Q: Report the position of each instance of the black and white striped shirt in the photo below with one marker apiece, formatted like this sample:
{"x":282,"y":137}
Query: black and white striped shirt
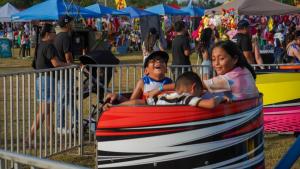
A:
{"x":174,"y":99}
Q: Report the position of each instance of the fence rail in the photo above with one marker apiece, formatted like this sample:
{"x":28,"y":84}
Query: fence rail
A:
{"x":19,"y":161}
{"x":28,"y":98}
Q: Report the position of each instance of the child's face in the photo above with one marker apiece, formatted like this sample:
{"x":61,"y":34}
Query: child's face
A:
{"x":222,"y":62}
{"x":156,"y":68}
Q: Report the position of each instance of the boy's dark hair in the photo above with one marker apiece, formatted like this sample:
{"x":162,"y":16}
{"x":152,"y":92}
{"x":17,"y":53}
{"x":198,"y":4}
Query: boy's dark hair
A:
{"x":179,"y":26}
{"x":189,"y":78}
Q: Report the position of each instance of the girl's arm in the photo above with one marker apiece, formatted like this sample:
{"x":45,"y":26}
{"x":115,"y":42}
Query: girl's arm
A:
{"x":212,"y":102}
{"x":217,"y":84}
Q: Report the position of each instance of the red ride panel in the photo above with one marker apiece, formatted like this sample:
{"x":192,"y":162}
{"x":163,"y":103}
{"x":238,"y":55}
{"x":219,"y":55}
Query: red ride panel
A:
{"x":137,"y":116}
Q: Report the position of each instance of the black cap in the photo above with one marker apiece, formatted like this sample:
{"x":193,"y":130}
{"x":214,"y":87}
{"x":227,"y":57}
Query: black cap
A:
{"x":64,"y":20}
{"x":243,"y":24}
{"x":162,"y":54}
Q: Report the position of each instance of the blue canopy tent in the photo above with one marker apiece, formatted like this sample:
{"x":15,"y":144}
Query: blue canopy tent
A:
{"x":137,"y":13}
{"x":7,"y":11}
{"x":52,"y":10}
{"x":193,"y":11}
{"x":103,"y":10}
{"x":163,"y":9}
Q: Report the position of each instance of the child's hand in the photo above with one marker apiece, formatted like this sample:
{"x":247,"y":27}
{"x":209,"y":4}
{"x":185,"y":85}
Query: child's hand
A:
{"x":111,"y":97}
{"x":153,"y":93}
{"x":106,"y":106}
{"x":226,"y":99}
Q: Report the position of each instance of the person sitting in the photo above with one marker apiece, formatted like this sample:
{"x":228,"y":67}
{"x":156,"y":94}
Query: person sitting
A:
{"x":154,"y":80}
{"x":189,"y":89}
{"x":235,"y":76}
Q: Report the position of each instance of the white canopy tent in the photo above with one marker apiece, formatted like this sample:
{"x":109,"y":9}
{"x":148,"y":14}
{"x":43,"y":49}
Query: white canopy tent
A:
{"x":6,"y":12}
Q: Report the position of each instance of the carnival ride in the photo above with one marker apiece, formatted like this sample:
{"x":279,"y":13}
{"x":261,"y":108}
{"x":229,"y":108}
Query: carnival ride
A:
{"x":230,"y":136}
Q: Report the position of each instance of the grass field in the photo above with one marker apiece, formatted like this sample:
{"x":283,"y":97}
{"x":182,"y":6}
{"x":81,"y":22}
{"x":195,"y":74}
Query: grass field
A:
{"x":275,"y":145}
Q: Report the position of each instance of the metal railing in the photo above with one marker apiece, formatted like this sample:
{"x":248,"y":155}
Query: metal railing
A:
{"x":29,"y":98}
{"x":19,"y":161}
{"x":271,"y":66}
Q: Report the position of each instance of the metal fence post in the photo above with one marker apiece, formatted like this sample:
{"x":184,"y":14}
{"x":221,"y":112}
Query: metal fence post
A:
{"x":2,"y":165}
{"x":80,"y":134}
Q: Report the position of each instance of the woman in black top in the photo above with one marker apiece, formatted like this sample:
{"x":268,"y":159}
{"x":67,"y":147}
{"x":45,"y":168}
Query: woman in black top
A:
{"x":46,"y":58}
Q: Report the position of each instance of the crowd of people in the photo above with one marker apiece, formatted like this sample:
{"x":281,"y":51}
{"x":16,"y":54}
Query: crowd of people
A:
{"x":255,"y":34}
{"x":20,"y":36}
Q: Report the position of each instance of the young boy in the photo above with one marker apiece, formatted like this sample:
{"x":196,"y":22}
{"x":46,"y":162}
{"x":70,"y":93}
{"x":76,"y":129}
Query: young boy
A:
{"x":153,"y":82}
{"x":188,"y":88}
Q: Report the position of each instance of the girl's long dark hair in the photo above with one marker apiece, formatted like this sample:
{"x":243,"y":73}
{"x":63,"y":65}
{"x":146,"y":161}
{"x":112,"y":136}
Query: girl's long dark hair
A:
{"x":233,"y":50}
{"x":205,"y":39}
{"x":151,"y":39}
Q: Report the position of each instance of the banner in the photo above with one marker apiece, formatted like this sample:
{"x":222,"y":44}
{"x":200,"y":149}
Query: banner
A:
{"x":5,"y":48}
{"x":120,"y":4}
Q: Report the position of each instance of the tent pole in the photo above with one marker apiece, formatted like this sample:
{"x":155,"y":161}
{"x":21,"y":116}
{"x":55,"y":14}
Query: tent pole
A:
{"x":30,"y":34}
{"x":13,"y":41}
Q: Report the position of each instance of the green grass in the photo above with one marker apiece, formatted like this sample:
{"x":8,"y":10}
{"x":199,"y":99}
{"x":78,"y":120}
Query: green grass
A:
{"x":275,"y":145}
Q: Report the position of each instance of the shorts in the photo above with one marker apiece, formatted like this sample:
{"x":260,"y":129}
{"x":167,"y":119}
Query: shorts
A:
{"x":45,"y":96}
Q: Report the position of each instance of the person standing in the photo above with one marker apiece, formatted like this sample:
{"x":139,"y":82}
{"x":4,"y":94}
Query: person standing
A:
{"x":180,"y":49}
{"x":244,"y":40}
{"x":63,"y":39}
{"x":46,"y":58}
{"x":206,"y":42}
{"x":62,"y":43}
{"x":152,"y":43}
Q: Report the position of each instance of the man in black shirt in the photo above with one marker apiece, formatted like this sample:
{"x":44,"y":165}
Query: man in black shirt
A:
{"x":62,"y":43}
{"x":63,"y":39}
{"x":244,"y":41}
{"x":180,"y":48}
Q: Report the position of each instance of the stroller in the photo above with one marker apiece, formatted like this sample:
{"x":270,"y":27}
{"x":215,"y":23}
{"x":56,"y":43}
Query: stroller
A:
{"x":99,"y":57}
